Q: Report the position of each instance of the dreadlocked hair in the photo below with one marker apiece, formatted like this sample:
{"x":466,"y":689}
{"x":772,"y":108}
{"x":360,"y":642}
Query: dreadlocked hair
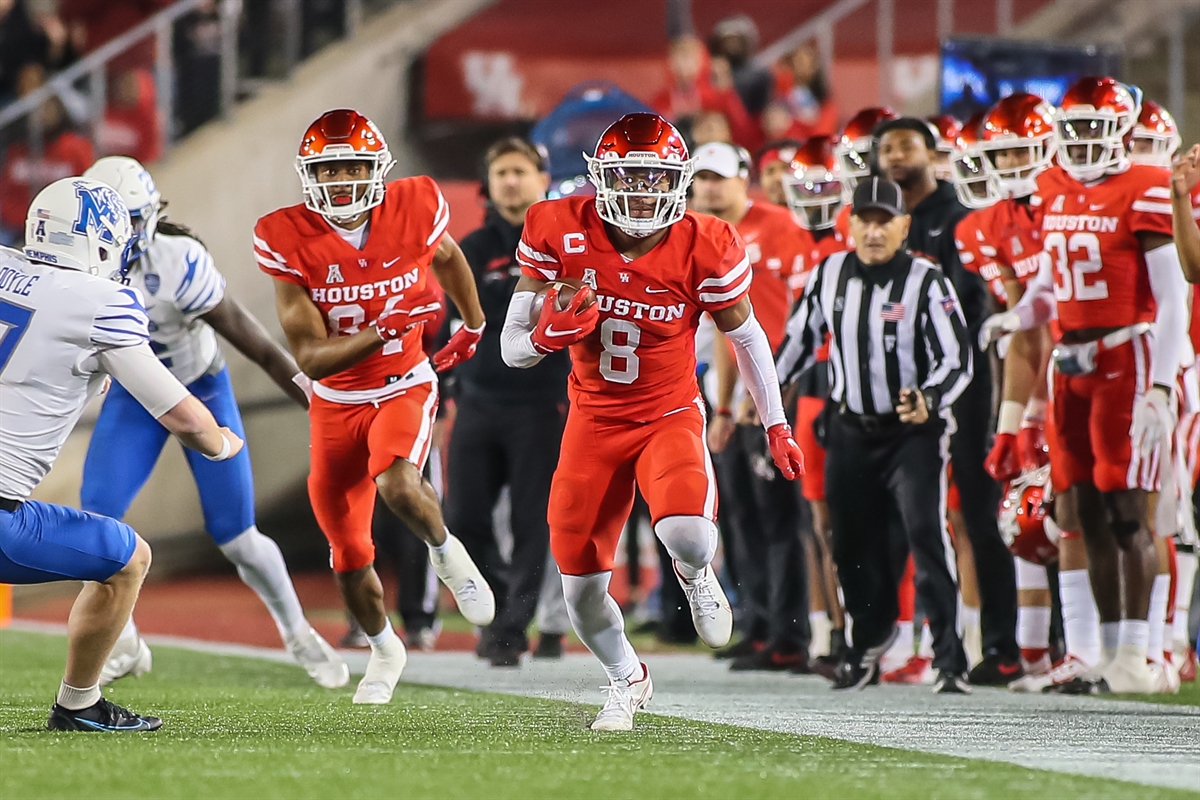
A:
{"x":171,"y":228}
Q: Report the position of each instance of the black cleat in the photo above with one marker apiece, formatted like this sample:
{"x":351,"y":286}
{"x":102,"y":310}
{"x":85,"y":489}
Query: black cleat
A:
{"x":855,"y":673}
{"x":740,"y":648}
{"x":549,"y":646}
{"x":772,"y":659}
{"x":102,"y":716}
{"x":503,"y":656}
{"x":950,"y":683}
{"x":1083,"y":686}
{"x":996,"y":670}
{"x":826,"y":666}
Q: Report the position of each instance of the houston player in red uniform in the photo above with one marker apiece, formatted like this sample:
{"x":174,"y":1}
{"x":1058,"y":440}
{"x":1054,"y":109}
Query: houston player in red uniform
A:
{"x":351,"y":267}
{"x":636,"y":414}
{"x":853,"y":150}
{"x":1114,"y":278}
{"x":816,"y":195}
{"x":762,"y":507}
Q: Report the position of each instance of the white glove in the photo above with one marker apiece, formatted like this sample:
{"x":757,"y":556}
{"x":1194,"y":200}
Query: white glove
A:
{"x":997,"y":326}
{"x":1152,"y":421}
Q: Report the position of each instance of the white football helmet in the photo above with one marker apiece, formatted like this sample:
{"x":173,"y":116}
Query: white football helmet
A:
{"x":141,"y":196}
{"x":80,"y":224}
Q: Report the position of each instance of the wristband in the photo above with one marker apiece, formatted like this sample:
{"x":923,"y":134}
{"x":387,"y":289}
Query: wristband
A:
{"x":1010,"y":416}
{"x":724,"y":411}
{"x":226,"y":446}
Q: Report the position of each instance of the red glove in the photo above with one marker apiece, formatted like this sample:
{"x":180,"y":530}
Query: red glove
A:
{"x":460,"y":347}
{"x":421,"y":307}
{"x":558,"y":329}
{"x":1002,"y":463}
{"x":785,"y":451}
{"x":1031,"y":447}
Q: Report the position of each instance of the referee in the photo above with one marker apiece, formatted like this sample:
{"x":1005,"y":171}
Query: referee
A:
{"x":899,"y":357}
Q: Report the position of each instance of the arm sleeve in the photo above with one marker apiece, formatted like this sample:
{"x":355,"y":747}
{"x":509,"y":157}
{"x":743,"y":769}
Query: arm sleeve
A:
{"x":804,"y":330}
{"x":536,"y":259}
{"x":140,"y":372}
{"x":1171,"y":321}
{"x":724,"y":275}
{"x":754,"y":362}
{"x":202,"y":287}
{"x":516,"y":343}
{"x":121,"y":321}
{"x":947,"y":342}
{"x":272,"y":261}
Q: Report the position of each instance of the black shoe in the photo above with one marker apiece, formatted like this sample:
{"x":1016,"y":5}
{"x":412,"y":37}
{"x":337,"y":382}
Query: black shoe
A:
{"x":102,"y":716}
{"x":742,"y":647}
{"x":501,"y":656}
{"x":856,"y":673}
{"x":826,"y":666}
{"x":948,"y":682}
{"x":771,"y":659}
{"x":996,"y":670}
{"x":1086,"y":686}
{"x":550,"y":646}
{"x":484,"y":648}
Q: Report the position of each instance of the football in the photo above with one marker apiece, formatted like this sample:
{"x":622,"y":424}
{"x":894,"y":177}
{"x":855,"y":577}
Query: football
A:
{"x":567,"y":287}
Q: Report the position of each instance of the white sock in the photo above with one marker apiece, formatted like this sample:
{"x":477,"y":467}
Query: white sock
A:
{"x":260,"y":565}
{"x":1185,"y":576}
{"x":1157,"y":619}
{"x":972,"y":638}
{"x":382,"y":639}
{"x":820,"y":629}
{"x":597,"y":620}
{"x":74,"y":699}
{"x":1081,"y":618}
{"x":1134,"y":633}
{"x":1033,"y":627}
{"x":1110,"y":638}
{"x":925,"y":648}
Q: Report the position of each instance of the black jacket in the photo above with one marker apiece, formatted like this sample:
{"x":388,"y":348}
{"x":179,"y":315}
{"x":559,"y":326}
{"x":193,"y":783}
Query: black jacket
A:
{"x":491,"y":252}
{"x":932,"y":234}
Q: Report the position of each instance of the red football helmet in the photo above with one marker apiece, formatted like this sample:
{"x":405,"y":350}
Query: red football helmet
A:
{"x":1094,"y":118}
{"x":974,"y":186}
{"x":1028,"y":529}
{"x":813,"y":184}
{"x":1155,"y":128}
{"x":641,"y":172}
{"x":343,"y":135}
{"x":853,"y":149}
{"x":1021,"y":121}
{"x":948,"y":130}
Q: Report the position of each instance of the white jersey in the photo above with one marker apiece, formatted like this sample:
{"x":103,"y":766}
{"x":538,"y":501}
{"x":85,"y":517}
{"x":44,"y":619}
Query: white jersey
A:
{"x":180,"y":283}
{"x":52,"y":322}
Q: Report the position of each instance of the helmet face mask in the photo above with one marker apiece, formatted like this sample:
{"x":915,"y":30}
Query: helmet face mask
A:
{"x":138,"y":191}
{"x":1096,"y":117}
{"x":1024,"y":519}
{"x":343,"y":136}
{"x":641,"y":172}
{"x":1017,"y":179}
{"x":1155,"y":137}
{"x":974,"y":184}
{"x":79,"y":224}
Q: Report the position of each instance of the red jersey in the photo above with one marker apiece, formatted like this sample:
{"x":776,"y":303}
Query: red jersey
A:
{"x":817,"y":251}
{"x":639,"y":364}
{"x":352,"y":286}
{"x":775,"y":245}
{"x":1090,"y":232}
{"x":63,"y":156}
{"x":1001,"y":242}
{"x":842,"y":225}
{"x":971,"y":243}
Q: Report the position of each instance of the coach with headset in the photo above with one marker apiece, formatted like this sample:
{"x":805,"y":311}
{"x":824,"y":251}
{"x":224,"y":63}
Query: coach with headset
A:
{"x":509,"y":422}
{"x":899,"y":357}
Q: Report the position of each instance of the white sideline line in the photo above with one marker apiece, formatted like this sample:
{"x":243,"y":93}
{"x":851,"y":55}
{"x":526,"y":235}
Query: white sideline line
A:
{"x":1145,"y":743}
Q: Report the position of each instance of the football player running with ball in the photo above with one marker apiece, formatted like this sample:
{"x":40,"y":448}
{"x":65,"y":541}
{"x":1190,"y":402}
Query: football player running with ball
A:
{"x":645,"y":269}
{"x":352,"y":271}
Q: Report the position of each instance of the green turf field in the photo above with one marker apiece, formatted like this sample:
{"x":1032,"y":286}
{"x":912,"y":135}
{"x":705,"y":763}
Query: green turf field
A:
{"x":246,"y":728}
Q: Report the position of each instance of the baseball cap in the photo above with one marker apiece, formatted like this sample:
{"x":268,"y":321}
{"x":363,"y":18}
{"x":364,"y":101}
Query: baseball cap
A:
{"x":723,"y":159}
{"x":880,"y":193}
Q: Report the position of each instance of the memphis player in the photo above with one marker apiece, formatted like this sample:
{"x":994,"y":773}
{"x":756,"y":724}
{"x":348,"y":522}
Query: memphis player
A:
{"x":185,"y":299}
{"x":63,"y":330}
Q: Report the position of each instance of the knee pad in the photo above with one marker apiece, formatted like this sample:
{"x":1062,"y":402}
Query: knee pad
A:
{"x":690,"y":540}
{"x":1030,"y":575}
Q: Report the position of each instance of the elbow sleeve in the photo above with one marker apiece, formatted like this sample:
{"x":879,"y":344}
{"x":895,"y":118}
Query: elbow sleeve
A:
{"x":140,"y":372}
{"x":757,"y":369}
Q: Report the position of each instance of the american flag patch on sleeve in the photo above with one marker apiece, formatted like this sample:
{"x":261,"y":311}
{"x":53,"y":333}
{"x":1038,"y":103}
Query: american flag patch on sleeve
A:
{"x":892,"y":312}
{"x":948,"y":304}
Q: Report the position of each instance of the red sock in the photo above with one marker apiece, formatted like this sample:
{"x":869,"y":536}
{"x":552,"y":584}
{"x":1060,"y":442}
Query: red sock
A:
{"x":908,"y":592}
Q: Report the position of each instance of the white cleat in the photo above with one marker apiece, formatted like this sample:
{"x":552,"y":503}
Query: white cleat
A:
{"x":625,"y":698}
{"x":127,"y":658}
{"x":1036,"y":677}
{"x":1166,"y":679}
{"x":711,"y":613}
{"x":320,"y":661}
{"x":1129,"y":673}
{"x":383,"y":672}
{"x":457,"y":570}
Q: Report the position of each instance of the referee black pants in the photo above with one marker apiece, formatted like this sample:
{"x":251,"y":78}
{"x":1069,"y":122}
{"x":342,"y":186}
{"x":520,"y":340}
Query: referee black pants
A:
{"x":994,"y":570}
{"x":761,"y":509}
{"x":870,"y":482}
{"x":494,"y":445}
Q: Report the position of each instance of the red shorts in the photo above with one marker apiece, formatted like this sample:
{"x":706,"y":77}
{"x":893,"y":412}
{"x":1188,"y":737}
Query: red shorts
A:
{"x":812,"y":485}
{"x":600,"y":462}
{"x":1092,"y":415}
{"x":353,"y":444}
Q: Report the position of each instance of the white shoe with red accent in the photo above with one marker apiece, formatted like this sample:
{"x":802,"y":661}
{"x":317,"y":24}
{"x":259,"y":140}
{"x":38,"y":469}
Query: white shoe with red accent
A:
{"x":711,"y":613}
{"x":1166,"y":679}
{"x":1036,"y":677}
{"x":1072,"y":675}
{"x":625,"y":698}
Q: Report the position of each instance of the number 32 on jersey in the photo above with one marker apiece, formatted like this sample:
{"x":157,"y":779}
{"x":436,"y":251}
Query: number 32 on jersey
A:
{"x":1076,"y":258}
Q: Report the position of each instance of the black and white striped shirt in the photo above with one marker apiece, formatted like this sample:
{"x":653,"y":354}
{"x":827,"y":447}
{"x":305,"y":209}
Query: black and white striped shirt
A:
{"x":894,"y":325}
